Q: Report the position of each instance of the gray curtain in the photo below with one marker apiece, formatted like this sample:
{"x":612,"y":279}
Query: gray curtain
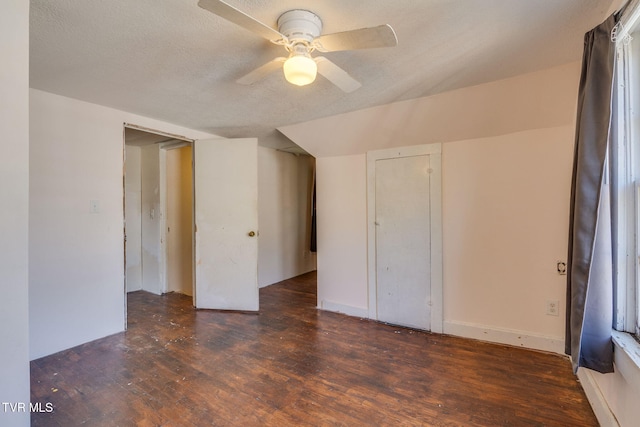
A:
{"x":590,"y":259}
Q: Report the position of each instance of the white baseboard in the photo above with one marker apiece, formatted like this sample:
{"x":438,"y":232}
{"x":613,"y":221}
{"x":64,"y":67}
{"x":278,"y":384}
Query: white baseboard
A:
{"x":596,"y":399}
{"x":504,"y":336}
{"x":345,"y":309}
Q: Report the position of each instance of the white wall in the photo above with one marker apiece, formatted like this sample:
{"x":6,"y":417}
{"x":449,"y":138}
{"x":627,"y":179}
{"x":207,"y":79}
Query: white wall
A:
{"x":76,"y":262}
{"x":505,"y":225}
{"x":506,"y":174}
{"x":133,"y":216}
{"x":342,"y":233}
{"x":14,"y":190}
{"x":284,"y":190}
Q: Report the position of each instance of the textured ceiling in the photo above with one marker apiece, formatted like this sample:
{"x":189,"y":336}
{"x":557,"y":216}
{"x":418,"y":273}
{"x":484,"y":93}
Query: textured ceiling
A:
{"x":173,"y":61}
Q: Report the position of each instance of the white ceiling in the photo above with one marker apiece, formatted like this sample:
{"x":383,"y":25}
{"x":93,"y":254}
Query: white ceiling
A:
{"x":173,"y":61}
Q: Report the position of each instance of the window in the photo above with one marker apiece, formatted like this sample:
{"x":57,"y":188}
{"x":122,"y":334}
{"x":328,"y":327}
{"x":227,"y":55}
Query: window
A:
{"x":625,"y":158}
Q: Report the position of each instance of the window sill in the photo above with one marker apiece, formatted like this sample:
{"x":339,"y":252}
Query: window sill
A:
{"x":626,"y":357}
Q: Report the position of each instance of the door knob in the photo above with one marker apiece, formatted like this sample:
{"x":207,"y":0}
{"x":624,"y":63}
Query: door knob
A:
{"x":251,"y":233}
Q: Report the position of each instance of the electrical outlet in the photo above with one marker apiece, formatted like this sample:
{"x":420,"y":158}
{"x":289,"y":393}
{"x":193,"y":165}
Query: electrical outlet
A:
{"x":553,"y":308}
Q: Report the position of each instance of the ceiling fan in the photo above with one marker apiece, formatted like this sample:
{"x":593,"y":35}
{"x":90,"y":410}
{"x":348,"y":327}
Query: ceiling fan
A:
{"x":300,"y":32}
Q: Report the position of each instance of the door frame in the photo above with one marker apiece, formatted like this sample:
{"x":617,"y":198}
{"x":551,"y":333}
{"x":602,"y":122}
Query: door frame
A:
{"x":168,"y":140}
{"x":434,"y":151}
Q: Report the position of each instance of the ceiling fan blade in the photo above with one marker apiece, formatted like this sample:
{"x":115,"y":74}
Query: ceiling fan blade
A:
{"x":261,"y":72}
{"x":364,"y":38}
{"x":240,"y":18}
{"x":336,"y":75}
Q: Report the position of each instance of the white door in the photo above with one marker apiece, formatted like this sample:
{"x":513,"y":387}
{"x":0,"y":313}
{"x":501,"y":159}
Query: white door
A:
{"x":402,"y":219}
{"x":226,"y":221}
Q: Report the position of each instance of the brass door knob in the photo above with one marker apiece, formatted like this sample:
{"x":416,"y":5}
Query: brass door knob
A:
{"x":251,"y":233}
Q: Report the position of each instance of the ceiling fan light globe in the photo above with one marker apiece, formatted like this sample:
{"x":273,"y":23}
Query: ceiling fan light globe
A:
{"x":300,"y":70}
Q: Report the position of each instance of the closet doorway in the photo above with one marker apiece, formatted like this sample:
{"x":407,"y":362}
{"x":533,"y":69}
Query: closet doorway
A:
{"x":405,"y":236}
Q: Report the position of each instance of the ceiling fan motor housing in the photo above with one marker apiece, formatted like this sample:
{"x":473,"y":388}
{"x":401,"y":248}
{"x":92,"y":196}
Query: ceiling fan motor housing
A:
{"x":300,"y":26}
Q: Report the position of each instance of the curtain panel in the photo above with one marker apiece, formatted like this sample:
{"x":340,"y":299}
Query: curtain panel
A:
{"x":589,"y":273}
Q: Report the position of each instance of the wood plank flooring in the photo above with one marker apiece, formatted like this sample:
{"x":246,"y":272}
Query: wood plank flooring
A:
{"x":293,"y":365}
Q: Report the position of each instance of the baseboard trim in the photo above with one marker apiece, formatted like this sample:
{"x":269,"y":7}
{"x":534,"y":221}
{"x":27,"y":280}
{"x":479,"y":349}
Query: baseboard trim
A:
{"x":596,"y":399}
{"x":344,"y":309}
{"x":504,"y":336}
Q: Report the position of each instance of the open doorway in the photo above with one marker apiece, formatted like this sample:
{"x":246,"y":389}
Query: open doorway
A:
{"x":158,"y":212}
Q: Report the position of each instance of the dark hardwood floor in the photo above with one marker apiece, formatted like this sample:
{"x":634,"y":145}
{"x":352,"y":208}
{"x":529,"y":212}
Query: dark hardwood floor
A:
{"x":292,"y":365}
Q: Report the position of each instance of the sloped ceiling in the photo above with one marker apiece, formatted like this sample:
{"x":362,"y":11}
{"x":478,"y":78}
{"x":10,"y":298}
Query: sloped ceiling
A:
{"x":541,"y":99}
{"x":173,"y":61}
